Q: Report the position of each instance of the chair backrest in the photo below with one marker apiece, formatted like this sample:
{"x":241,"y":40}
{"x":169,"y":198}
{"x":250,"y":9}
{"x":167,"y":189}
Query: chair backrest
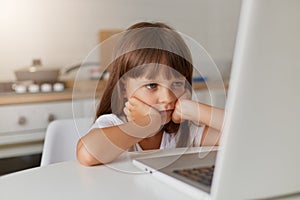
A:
{"x":61,"y":139}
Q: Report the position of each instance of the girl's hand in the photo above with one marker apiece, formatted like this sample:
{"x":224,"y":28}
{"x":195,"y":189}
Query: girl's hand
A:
{"x":139,"y":112}
{"x":183,"y":107}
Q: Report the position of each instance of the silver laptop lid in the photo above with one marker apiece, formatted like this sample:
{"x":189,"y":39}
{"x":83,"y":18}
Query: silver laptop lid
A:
{"x":260,"y":141}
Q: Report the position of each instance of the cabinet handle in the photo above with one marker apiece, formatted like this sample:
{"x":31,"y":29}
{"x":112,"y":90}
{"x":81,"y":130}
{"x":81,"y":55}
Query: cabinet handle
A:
{"x":51,"y":117}
{"x":22,"y":120}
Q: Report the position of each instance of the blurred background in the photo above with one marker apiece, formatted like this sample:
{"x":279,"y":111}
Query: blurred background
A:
{"x":42,"y":43}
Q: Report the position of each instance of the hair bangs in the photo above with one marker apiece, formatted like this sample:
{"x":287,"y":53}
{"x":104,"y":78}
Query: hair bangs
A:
{"x":138,"y":60}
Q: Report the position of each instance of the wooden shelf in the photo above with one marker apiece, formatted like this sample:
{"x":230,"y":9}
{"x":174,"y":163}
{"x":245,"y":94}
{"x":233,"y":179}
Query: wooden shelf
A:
{"x":83,"y":90}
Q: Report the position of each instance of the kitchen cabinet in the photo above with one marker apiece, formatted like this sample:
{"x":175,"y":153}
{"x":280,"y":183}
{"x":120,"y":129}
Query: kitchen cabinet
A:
{"x":23,"y":126}
{"x":25,"y":117}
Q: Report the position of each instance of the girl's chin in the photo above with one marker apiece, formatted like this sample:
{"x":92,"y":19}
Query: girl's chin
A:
{"x":168,"y":119}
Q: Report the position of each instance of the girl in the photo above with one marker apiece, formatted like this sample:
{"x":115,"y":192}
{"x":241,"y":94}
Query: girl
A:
{"x":146,"y":104}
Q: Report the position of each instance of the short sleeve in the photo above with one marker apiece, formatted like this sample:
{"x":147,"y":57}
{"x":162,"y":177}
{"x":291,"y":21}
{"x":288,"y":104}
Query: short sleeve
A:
{"x":106,"y":121}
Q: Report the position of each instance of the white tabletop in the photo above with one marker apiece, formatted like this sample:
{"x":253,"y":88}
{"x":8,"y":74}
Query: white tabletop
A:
{"x":70,"y":180}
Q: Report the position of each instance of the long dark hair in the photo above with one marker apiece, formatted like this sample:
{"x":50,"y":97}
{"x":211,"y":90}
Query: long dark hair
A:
{"x":145,"y":43}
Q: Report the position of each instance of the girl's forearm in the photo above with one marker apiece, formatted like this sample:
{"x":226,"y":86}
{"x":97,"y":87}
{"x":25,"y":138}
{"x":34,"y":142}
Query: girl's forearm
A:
{"x":204,"y":114}
{"x":211,"y":116}
{"x":103,"y":145}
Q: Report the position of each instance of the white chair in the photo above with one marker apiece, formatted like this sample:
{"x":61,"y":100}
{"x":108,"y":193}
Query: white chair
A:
{"x":61,"y":139}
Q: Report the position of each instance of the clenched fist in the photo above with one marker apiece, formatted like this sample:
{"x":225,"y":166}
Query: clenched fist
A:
{"x":141,"y":113}
{"x":183,"y":108}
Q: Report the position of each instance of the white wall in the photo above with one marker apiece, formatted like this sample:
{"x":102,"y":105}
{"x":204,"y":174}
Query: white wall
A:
{"x":62,"y":32}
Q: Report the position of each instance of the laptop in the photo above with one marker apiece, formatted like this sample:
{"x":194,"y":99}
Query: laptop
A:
{"x":259,"y":152}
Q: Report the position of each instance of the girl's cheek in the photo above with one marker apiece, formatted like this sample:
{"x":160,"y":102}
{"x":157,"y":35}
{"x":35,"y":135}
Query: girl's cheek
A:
{"x":145,"y":97}
{"x":149,"y":99}
{"x":179,"y":93}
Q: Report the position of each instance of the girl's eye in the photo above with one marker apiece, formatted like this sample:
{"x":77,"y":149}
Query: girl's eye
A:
{"x":177,"y":84}
{"x":151,"y":86}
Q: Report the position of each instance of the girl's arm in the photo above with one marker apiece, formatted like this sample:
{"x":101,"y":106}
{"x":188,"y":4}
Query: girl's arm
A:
{"x":103,"y":145}
{"x":210,"y":116}
{"x":201,"y":113}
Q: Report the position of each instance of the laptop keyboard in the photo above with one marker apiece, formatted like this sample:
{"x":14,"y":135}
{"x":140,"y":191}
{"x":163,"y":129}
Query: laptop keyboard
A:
{"x":202,"y":175}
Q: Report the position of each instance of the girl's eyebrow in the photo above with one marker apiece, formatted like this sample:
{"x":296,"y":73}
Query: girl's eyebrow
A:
{"x":162,"y":80}
{"x":180,"y":79}
{"x":146,"y":80}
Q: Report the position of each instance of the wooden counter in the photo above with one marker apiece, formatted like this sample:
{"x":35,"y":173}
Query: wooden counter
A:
{"x":211,"y":85}
{"x":13,"y":98}
{"x":80,"y":90}
{"x":83,"y":90}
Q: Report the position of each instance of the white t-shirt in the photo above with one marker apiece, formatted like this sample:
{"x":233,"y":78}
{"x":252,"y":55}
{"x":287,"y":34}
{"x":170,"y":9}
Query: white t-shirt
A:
{"x":168,"y":140}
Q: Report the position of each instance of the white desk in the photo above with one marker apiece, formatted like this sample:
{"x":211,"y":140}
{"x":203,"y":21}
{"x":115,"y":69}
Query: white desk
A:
{"x":70,"y":180}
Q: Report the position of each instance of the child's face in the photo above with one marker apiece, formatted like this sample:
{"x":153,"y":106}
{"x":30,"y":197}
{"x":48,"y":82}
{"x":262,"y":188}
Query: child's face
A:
{"x":159,"y":92}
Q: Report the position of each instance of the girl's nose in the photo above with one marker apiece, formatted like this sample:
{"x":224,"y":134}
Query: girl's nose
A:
{"x":166,"y":95}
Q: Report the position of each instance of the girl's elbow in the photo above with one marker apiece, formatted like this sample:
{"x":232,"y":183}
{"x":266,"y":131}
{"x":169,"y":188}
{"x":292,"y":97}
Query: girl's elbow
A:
{"x":84,"y":157}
